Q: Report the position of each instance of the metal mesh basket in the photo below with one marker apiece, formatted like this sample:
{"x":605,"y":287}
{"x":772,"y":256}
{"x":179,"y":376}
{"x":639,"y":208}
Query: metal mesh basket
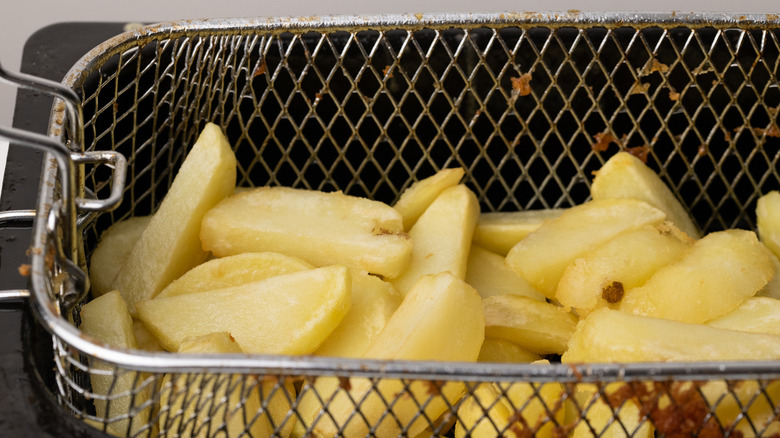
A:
{"x":529,"y":104}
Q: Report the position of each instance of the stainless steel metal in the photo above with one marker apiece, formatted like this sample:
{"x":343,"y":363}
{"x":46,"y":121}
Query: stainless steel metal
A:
{"x":368,"y":105}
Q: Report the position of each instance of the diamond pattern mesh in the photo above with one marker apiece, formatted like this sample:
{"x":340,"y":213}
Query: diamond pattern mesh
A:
{"x":529,"y":111}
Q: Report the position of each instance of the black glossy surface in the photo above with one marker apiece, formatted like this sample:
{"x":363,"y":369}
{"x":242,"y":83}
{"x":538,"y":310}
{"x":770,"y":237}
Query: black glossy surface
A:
{"x":28,"y":409}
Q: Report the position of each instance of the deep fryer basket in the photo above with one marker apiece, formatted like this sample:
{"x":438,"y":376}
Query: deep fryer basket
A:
{"x":529,"y":104}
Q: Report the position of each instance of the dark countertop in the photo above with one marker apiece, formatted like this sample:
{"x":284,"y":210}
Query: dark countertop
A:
{"x":28,"y":407}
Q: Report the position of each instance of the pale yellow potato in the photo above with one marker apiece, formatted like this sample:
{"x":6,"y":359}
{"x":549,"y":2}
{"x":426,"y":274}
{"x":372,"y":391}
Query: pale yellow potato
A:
{"x":442,"y":237}
{"x":503,"y":351}
{"x":500,"y":231}
{"x":233,"y":271}
{"x":489,"y":275}
{"x":605,"y":421}
{"x":373,"y":303}
{"x":607,"y":336}
{"x":483,"y":415}
{"x":111,"y":252}
{"x":286,"y":314}
{"x":626,"y":176}
{"x":440,"y":319}
{"x":170,"y":246}
{"x":772,"y":289}
{"x":107,"y":319}
{"x":542,"y":256}
{"x":184,"y":412}
{"x":535,"y":402}
{"x":415,"y":199}
{"x":755,"y":315}
{"x":743,"y":400}
{"x":321,"y":228}
{"x":768,"y":220}
{"x":537,"y":326}
{"x":145,"y":339}
{"x":599,"y":278}
{"x":718,"y":273}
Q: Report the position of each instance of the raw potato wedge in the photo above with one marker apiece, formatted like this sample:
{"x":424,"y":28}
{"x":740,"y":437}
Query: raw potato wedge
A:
{"x":736,"y":403}
{"x":420,"y":195}
{"x":722,"y":269}
{"x":543,"y":255}
{"x":772,"y":289}
{"x":489,"y":275}
{"x":373,"y":303}
{"x":233,"y":271}
{"x":442,"y":237}
{"x":320,"y":228}
{"x":626,"y":176}
{"x":145,"y":339}
{"x":112,"y":251}
{"x":440,"y":319}
{"x":535,"y":402}
{"x":768,"y":220}
{"x":600,"y":277}
{"x":755,"y":315}
{"x":607,"y":422}
{"x":287,"y":314}
{"x":186,"y":413}
{"x":107,"y":319}
{"x":612,"y":336}
{"x":484,"y":415}
{"x":537,"y":326}
{"x":500,"y":231}
{"x":170,"y":246}
{"x":503,"y":351}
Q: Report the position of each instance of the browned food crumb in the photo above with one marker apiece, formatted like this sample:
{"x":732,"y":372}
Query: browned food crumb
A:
{"x":674,"y":96}
{"x":24,"y":270}
{"x":613,"y":292}
{"x":771,"y":131}
{"x":344,"y":383}
{"x":639,"y":88}
{"x":387,"y":72}
{"x":658,"y":66}
{"x":521,"y":85}
{"x":640,"y":152}
{"x":433,"y":388}
{"x":603,"y":139}
{"x":232,"y":339}
{"x":261,"y":69}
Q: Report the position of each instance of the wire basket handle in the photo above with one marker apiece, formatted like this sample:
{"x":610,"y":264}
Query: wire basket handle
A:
{"x":66,"y":156}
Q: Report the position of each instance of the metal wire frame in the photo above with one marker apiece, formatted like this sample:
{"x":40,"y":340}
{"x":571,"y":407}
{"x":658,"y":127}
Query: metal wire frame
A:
{"x":369,"y":105}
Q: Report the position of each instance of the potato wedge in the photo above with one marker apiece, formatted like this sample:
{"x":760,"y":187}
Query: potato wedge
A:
{"x":768,"y":220}
{"x":772,"y":289}
{"x":600,"y":277}
{"x":170,"y":246}
{"x":186,"y":413}
{"x":442,"y":237}
{"x":483,"y":415}
{"x":537,"y":326}
{"x":415,"y":199}
{"x":287,"y":314}
{"x":107,"y":319}
{"x":722,"y":269}
{"x":373,"y":303}
{"x":503,"y":351}
{"x":234,"y":270}
{"x":489,"y":275}
{"x":145,"y":339}
{"x":112,"y":250}
{"x":744,"y":407}
{"x":500,"y":231}
{"x":755,"y":315}
{"x":602,"y":420}
{"x":612,"y":336}
{"x":536,"y":403}
{"x":626,"y":176}
{"x":439,"y":307}
{"x":544,"y":254}
{"x":320,"y":228}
